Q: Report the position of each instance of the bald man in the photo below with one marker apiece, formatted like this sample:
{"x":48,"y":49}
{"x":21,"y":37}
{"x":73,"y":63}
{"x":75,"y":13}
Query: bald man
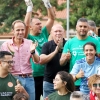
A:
{"x":50,"y":55}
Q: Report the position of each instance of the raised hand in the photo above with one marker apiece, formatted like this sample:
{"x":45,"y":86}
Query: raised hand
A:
{"x":46,"y":98}
{"x":18,"y":87}
{"x":47,"y":3}
{"x":29,"y":3}
{"x":68,"y":55}
{"x":33,"y":46}
{"x":80,"y":74}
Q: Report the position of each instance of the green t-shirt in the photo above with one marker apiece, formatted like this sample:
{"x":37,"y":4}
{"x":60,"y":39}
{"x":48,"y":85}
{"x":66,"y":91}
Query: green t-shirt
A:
{"x":7,"y":87}
{"x":38,"y":70}
{"x":56,"y":96}
{"x":75,"y":46}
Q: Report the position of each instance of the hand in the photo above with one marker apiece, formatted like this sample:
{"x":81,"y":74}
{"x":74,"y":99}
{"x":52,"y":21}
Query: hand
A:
{"x":47,"y":3}
{"x":46,"y":98}
{"x":11,"y":49}
{"x":29,"y":3}
{"x":80,"y":74}
{"x":33,"y":47}
{"x":59,"y":41}
{"x":68,"y":55}
{"x":18,"y":87}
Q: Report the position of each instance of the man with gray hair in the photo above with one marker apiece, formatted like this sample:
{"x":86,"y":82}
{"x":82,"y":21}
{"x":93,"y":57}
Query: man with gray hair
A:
{"x":77,"y":95}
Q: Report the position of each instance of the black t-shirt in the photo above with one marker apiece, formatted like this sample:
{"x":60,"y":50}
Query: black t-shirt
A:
{"x":53,"y":66}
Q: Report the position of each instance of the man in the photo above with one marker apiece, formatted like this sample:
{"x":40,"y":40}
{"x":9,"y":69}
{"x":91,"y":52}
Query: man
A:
{"x":23,"y":50}
{"x":75,"y":45}
{"x":8,"y":84}
{"x":39,"y":35}
{"x":77,"y":95}
{"x":50,"y":55}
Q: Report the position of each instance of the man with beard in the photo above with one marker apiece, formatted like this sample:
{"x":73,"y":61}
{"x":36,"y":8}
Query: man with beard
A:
{"x":75,"y":45}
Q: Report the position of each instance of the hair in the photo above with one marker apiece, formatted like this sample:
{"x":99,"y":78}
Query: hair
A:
{"x":92,"y":79}
{"x":77,"y":95}
{"x":20,"y":96}
{"x":82,"y":20}
{"x":67,"y":78}
{"x":3,"y":53}
{"x":17,"y":21}
{"x":90,"y":43}
{"x":92,"y":23}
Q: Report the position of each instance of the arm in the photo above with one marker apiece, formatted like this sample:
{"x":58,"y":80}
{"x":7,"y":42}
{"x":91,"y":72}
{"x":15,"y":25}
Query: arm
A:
{"x":51,"y":15}
{"x":34,"y":53}
{"x":20,"y":89}
{"x":46,"y":58}
{"x":28,"y":16}
{"x":65,"y":57}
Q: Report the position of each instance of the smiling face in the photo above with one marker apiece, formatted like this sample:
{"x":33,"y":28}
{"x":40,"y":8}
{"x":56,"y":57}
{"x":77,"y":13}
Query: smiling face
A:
{"x":90,"y":52}
{"x":19,"y":30}
{"x":5,"y":66}
{"x":96,"y":89}
{"x":58,"y":83}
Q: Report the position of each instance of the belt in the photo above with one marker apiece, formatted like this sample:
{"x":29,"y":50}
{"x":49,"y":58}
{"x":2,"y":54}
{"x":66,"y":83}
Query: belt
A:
{"x":25,"y":75}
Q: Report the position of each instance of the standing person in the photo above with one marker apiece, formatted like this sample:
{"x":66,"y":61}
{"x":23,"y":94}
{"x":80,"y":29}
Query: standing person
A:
{"x":75,"y":45}
{"x":40,"y":35}
{"x":9,"y":85}
{"x":64,"y":85}
{"x":86,"y":67}
{"x":23,"y":50}
{"x":94,"y":85}
{"x":50,"y":55}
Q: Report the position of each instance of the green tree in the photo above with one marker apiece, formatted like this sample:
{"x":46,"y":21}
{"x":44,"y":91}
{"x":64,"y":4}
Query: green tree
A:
{"x":11,"y":10}
{"x":89,"y":9}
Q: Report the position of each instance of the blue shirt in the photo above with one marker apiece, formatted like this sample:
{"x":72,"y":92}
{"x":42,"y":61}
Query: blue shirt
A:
{"x":88,"y":69}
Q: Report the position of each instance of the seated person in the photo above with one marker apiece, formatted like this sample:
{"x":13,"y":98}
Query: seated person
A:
{"x":64,"y":85}
{"x":86,"y":67}
{"x":94,"y":86}
{"x":9,"y":85}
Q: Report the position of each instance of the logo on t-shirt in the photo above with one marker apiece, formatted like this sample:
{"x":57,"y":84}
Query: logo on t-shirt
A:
{"x":10,"y":84}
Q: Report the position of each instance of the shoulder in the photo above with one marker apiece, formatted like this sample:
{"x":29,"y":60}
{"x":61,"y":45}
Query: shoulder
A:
{"x":97,"y":59}
{"x":81,"y":61}
{"x":27,"y":40}
{"x":52,"y":95}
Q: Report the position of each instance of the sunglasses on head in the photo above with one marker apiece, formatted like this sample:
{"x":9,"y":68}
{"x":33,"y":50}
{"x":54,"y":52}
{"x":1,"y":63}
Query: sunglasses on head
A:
{"x":96,"y":84}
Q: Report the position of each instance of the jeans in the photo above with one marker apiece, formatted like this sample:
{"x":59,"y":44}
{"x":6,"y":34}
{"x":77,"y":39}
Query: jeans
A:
{"x":28,"y":84}
{"x":47,"y":89}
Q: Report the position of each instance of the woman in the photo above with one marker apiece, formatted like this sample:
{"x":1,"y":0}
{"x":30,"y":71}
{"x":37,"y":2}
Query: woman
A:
{"x":94,"y":85}
{"x":86,"y":67}
{"x":64,"y":85}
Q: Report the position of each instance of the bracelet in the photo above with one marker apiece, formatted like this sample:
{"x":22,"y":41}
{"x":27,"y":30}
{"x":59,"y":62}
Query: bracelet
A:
{"x":76,"y":77}
{"x":33,"y":52}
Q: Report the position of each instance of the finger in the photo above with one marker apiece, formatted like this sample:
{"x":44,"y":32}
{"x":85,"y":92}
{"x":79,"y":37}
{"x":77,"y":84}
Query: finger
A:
{"x":17,"y":81}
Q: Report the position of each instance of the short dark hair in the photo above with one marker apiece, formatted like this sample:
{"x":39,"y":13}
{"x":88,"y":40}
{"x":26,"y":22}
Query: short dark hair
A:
{"x":82,"y":20}
{"x":20,"y":96}
{"x":67,"y":78}
{"x":90,"y":43}
{"x":3,"y":53}
{"x":77,"y":95}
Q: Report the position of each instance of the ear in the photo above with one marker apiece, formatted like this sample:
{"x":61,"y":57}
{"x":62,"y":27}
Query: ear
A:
{"x":65,"y":82}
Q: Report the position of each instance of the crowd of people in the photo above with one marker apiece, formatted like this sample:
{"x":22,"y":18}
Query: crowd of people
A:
{"x":32,"y":65}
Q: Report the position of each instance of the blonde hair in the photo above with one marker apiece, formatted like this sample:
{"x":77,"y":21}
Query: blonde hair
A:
{"x":92,"y":79}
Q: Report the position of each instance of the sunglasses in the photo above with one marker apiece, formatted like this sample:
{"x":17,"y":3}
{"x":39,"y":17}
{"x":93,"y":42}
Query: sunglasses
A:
{"x":96,"y":84}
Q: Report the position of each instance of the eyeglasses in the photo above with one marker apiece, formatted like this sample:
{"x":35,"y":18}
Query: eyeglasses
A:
{"x":9,"y":62}
{"x":96,"y":84}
